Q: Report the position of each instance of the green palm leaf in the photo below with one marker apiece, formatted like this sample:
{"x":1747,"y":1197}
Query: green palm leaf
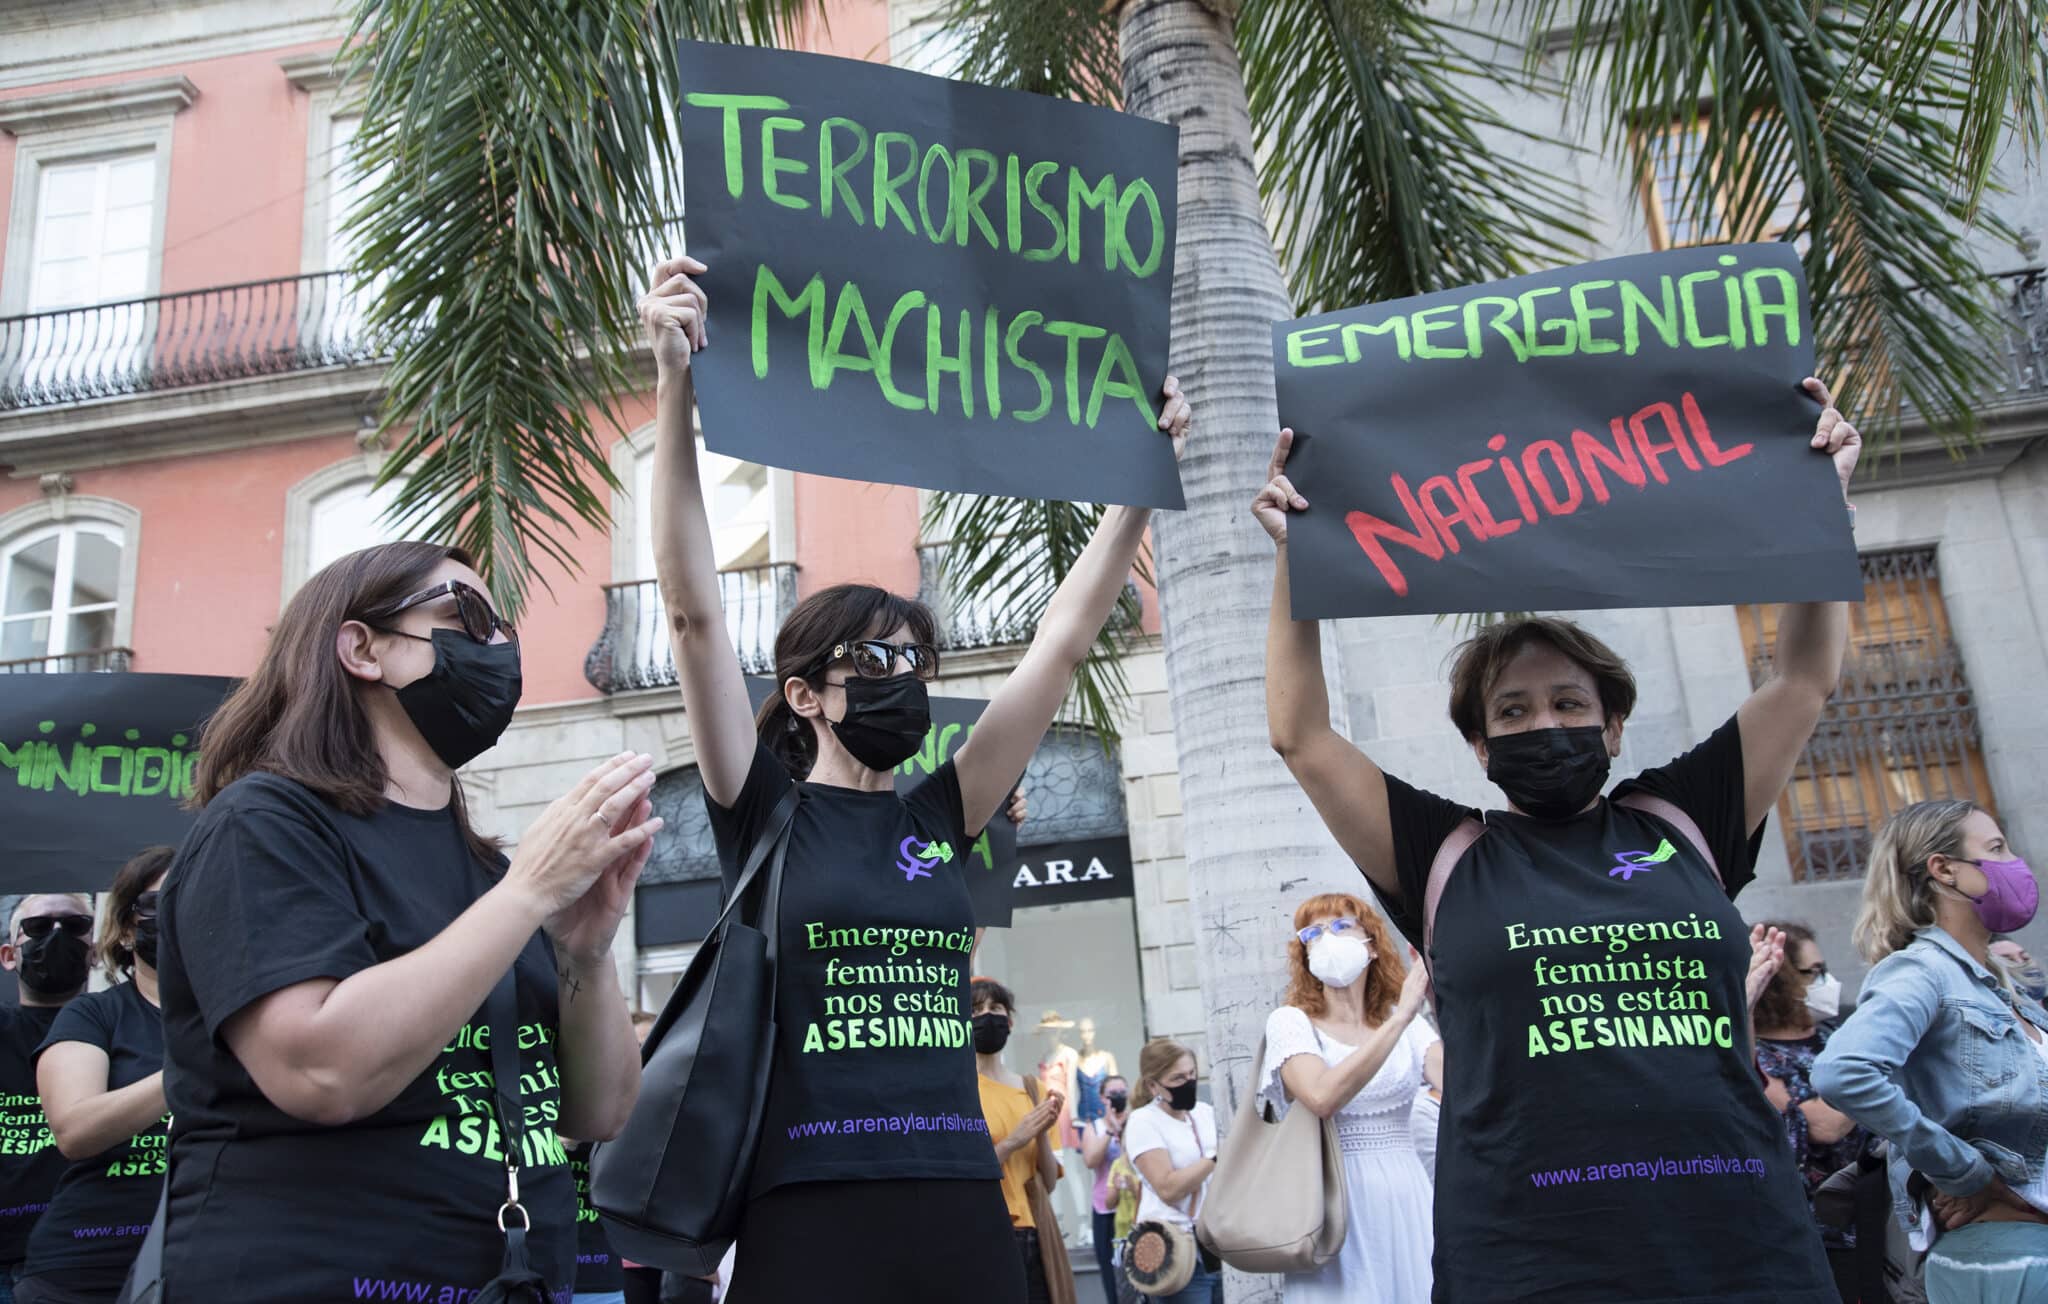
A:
{"x":525,"y":164}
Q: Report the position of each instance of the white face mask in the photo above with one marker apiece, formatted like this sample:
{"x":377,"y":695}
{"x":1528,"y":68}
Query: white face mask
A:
{"x":1336,"y":959}
{"x":1824,"y":998}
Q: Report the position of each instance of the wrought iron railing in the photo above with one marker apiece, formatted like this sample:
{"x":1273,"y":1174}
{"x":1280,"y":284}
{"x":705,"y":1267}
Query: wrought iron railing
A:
{"x":171,"y":341}
{"x":106,"y":659}
{"x":2024,"y":373}
{"x":633,"y":650}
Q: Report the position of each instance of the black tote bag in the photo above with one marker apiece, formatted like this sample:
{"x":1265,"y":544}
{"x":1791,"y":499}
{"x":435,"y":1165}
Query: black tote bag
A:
{"x":671,"y":1185}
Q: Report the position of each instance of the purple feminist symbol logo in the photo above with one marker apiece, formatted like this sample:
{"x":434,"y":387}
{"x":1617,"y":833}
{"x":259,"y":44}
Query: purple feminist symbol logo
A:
{"x":1627,"y":864}
{"x":916,"y":861}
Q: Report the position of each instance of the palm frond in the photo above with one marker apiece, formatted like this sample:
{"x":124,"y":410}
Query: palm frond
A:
{"x":1385,"y":172}
{"x":1800,"y":121}
{"x":1063,"y":48}
{"x":524,"y":164}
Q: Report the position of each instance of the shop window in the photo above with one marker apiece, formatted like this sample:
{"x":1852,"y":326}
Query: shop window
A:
{"x":1901,"y":728}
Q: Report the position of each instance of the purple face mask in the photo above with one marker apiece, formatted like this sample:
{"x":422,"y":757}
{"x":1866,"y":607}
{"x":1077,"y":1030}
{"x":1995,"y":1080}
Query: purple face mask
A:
{"x":2008,"y":904}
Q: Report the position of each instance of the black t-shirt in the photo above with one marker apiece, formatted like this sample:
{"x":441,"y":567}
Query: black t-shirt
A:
{"x":276,"y":887}
{"x":1603,"y":1136}
{"x":96,"y":1220}
{"x":874,"y":1075}
{"x":597,"y":1269}
{"x":30,"y":1163}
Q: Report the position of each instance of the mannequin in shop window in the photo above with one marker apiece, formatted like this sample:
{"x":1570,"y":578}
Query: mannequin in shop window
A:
{"x":1094,"y":1067}
{"x":1058,"y":1066}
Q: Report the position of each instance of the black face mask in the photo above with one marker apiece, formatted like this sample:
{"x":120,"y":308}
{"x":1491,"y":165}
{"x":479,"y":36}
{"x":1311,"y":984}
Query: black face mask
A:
{"x":463,"y":704}
{"x":1551,"y":774}
{"x":886,"y":720}
{"x":145,"y":941}
{"x":1182,"y":1097}
{"x":1117,"y":1101}
{"x":991,"y":1033}
{"x":56,"y":965}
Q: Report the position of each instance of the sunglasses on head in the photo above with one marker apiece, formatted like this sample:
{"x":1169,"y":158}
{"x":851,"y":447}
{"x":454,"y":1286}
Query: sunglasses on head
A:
{"x":875,"y":658}
{"x":1335,"y":927}
{"x":479,"y":620}
{"x":37,"y":927}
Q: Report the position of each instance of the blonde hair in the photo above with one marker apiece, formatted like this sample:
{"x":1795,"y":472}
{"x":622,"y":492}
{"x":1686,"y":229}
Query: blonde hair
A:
{"x":1155,"y":1061}
{"x":1898,"y":892}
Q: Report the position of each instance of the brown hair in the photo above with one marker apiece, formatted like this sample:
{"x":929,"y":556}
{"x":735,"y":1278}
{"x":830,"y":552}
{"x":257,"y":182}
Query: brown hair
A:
{"x":1383,"y":977}
{"x":1783,"y":1003}
{"x":115,"y":956}
{"x":299,"y":716}
{"x":1482,"y":658}
{"x":818,"y":624}
{"x":1158,"y":1057}
{"x":993,"y":991}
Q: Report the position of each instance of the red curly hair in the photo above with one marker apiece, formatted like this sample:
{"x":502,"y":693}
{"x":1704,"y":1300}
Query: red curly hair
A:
{"x":1383,"y":978}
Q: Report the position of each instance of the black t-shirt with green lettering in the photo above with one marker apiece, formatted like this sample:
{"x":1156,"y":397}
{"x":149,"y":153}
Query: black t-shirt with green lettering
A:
{"x":30,"y":1163}
{"x":275,"y":887}
{"x":102,"y":1206}
{"x":873,"y":1076}
{"x":598,"y":1270}
{"x":1604,"y":1137}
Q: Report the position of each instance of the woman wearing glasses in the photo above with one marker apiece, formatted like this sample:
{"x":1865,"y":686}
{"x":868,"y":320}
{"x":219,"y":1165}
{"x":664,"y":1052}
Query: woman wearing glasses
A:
{"x":1347,"y":1045}
{"x":333,"y":935}
{"x":100,"y":1072}
{"x":1794,"y":1018}
{"x":872,"y":883}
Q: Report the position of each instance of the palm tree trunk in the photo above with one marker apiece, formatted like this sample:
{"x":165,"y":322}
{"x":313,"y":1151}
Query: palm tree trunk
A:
{"x":1254,"y":846}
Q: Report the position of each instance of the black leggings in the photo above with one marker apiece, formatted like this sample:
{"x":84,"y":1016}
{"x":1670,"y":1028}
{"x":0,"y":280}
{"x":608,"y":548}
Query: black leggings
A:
{"x":927,"y":1241}
{"x":1105,"y":1253}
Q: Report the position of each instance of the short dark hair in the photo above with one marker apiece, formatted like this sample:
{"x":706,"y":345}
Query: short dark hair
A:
{"x":1482,"y":658}
{"x":994,"y":993}
{"x":803,"y":647}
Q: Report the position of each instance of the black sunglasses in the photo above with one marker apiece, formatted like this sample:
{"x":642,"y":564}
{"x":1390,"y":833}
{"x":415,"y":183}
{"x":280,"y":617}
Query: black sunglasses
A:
{"x":875,"y":658}
{"x":145,"y":905}
{"x":1812,"y":973}
{"x":37,"y":927}
{"x":479,"y":620}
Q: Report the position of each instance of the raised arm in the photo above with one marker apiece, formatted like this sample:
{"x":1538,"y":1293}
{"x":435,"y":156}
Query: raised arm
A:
{"x":1326,"y":1088}
{"x":1023,"y":708}
{"x":1780,"y":717}
{"x":721,"y":719}
{"x":1343,"y":784}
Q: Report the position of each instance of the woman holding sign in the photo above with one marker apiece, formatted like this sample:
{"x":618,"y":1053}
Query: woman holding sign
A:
{"x":874,"y":1157}
{"x":1603,"y":1134}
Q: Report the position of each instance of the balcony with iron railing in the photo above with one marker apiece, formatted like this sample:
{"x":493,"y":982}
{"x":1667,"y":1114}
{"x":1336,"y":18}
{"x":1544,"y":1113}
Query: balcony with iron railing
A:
{"x":105,"y":660}
{"x":633,"y":651}
{"x":969,"y":620}
{"x":176,"y":341}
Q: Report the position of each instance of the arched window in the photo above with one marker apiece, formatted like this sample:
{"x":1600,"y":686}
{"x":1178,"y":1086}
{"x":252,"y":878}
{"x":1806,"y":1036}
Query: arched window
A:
{"x":353,"y":516}
{"x":61,"y":595}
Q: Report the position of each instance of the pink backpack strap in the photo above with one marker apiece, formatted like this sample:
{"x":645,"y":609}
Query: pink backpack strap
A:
{"x":1678,"y":819}
{"x":1447,"y":857}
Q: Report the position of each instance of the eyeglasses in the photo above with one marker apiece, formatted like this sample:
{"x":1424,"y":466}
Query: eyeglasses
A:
{"x":479,"y":620}
{"x":145,"y":905}
{"x":1334,"y":927}
{"x":1812,"y":973}
{"x":873,"y":658}
{"x":37,"y":927}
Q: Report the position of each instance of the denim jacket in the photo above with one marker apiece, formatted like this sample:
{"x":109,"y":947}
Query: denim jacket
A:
{"x":1933,"y":1059}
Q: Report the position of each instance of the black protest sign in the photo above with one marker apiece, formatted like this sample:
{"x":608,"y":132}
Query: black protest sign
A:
{"x":1627,"y":433}
{"x":93,"y":768}
{"x":926,"y":282}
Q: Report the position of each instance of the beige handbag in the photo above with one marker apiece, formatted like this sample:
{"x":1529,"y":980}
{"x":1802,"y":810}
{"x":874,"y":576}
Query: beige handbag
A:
{"x":1276,"y":1203}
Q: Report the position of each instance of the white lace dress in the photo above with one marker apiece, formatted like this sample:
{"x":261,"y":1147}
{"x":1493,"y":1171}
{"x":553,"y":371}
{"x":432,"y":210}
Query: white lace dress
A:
{"x":1387,"y":1246}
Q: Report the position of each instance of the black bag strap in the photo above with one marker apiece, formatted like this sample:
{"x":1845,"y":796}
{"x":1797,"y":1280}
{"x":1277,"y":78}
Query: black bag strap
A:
{"x":778,"y":829}
{"x":501,"y":1015}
